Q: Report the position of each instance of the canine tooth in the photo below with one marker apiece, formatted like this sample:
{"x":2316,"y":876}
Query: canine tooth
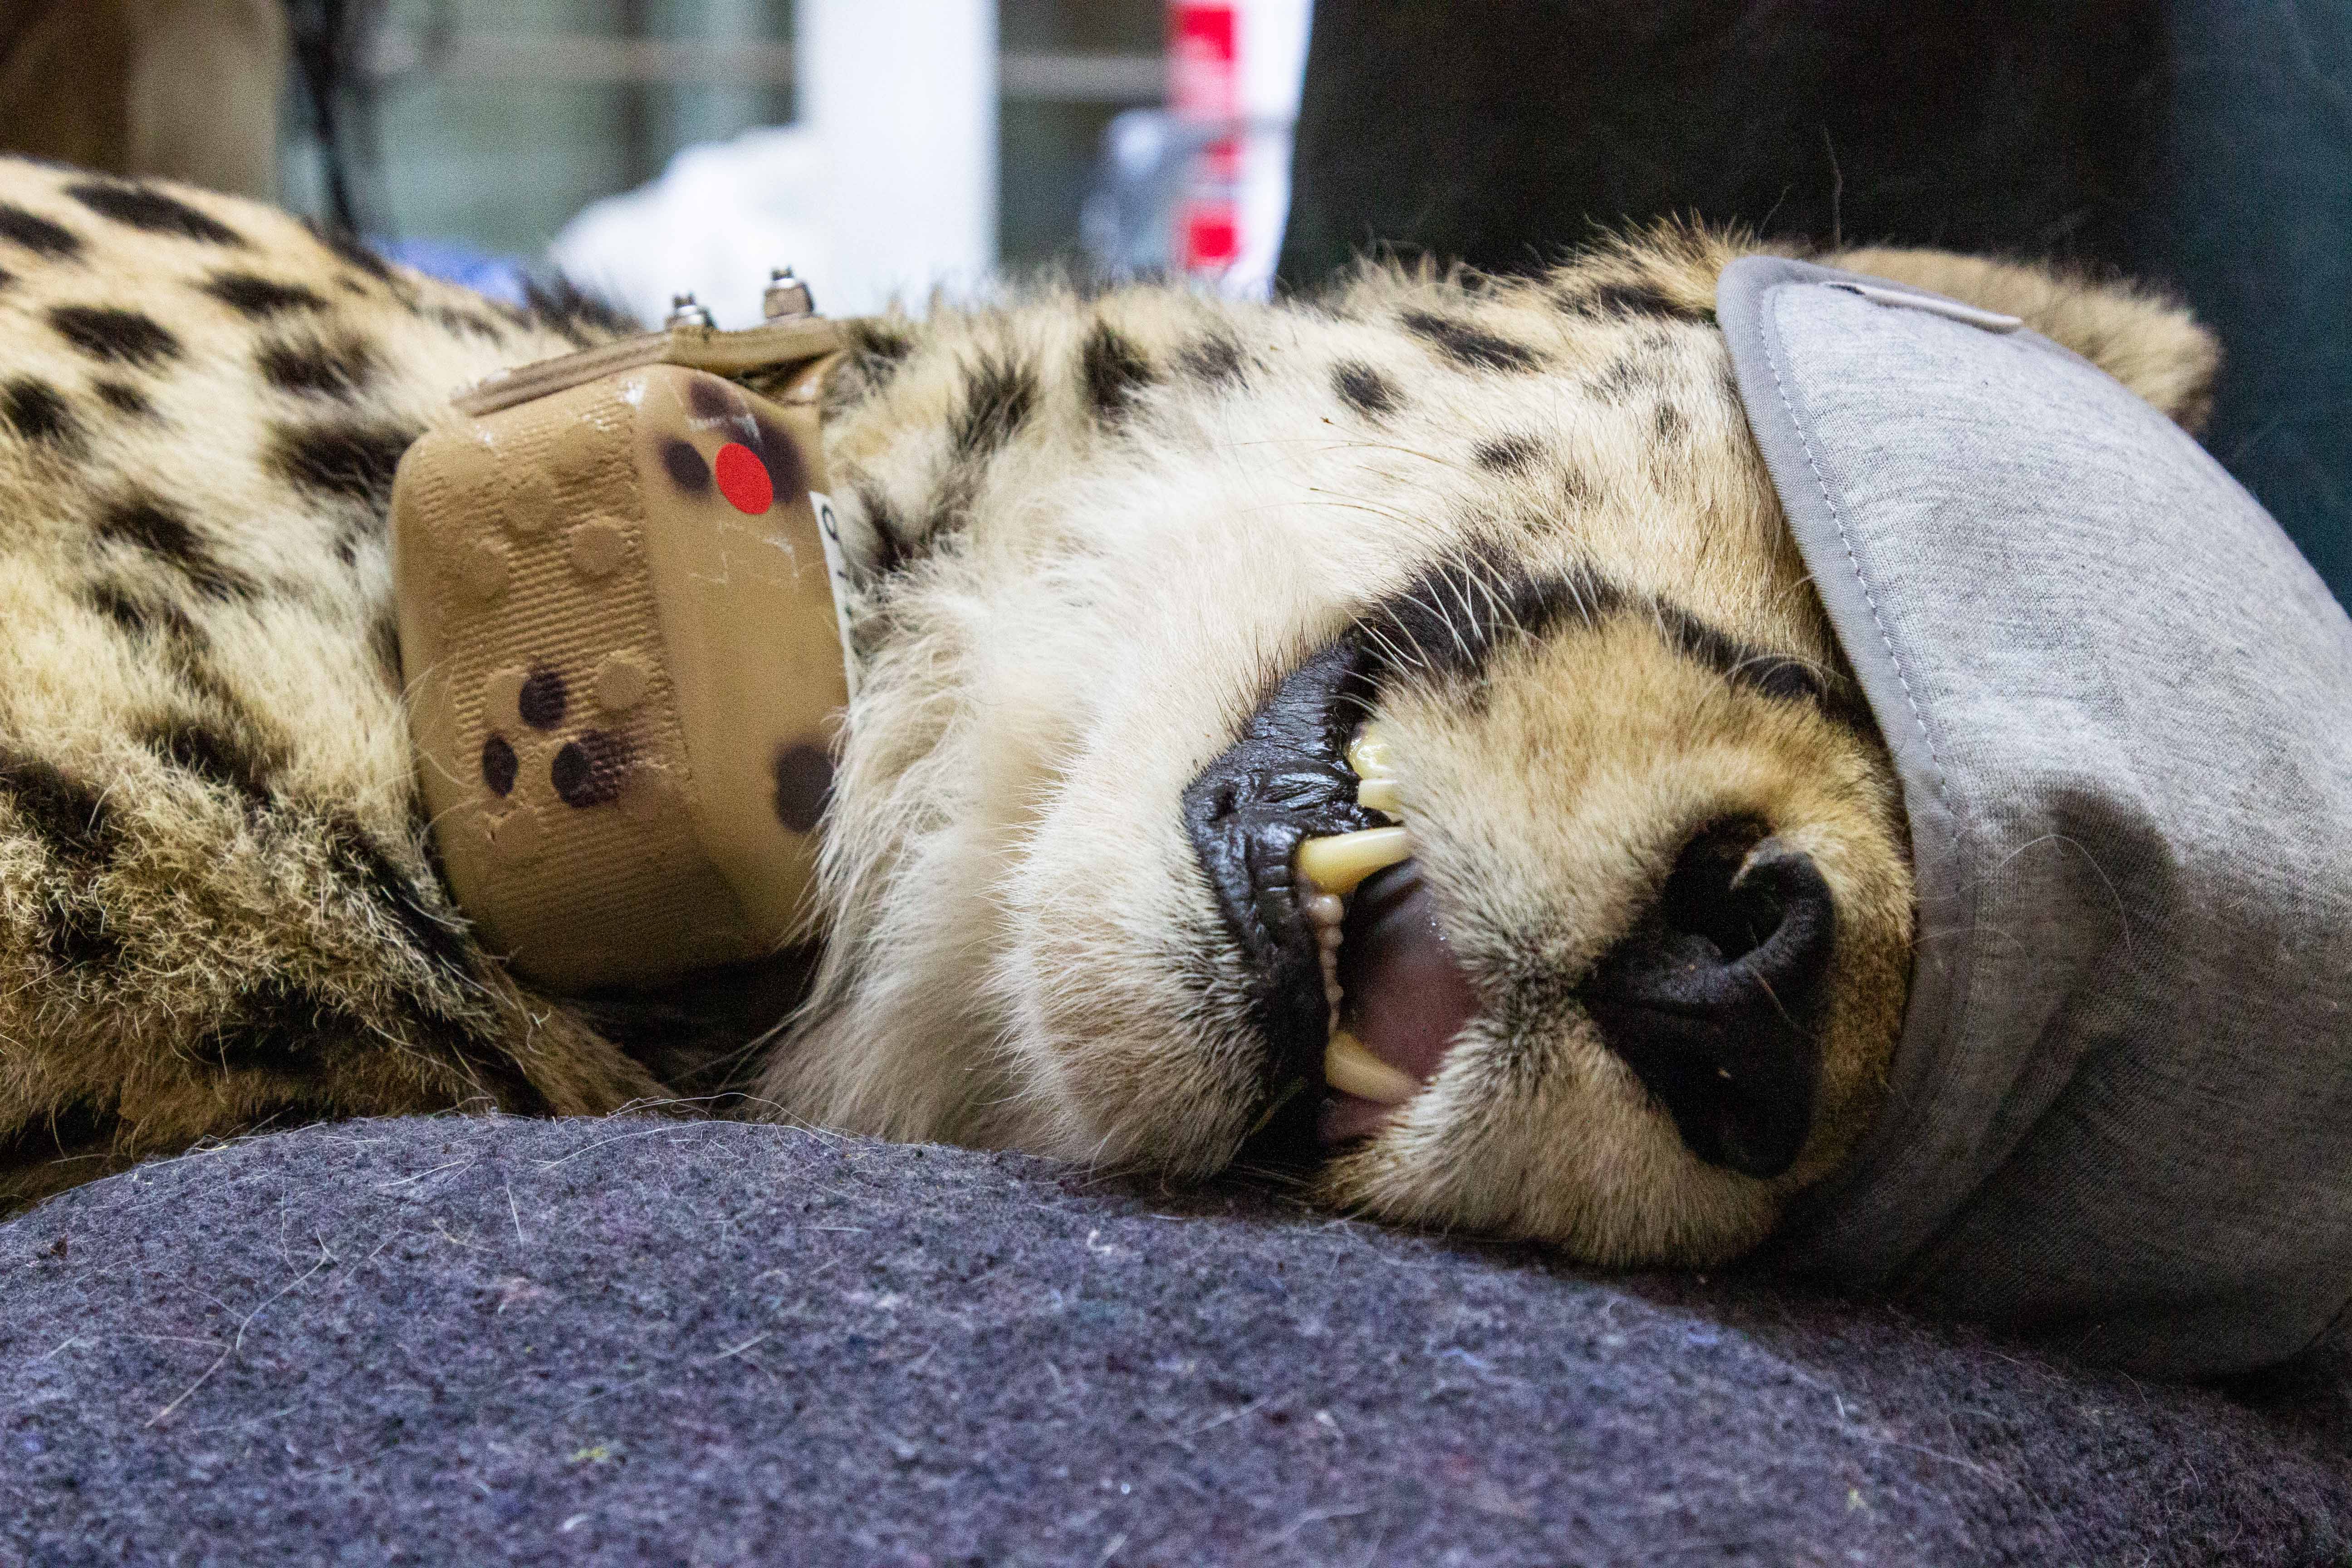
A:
{"x":1337,"y":864}
{"x":1379,"y":795}
{"x":1370,"y":756}
{"x":1348,"y":1068}
{"x":1327,"y":910}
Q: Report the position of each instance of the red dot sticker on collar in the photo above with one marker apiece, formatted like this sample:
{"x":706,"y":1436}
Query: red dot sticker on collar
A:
{"x":743,"y":478}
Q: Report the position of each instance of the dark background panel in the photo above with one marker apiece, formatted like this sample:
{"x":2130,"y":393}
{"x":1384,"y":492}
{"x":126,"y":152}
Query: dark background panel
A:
{"x":2202,"y":144}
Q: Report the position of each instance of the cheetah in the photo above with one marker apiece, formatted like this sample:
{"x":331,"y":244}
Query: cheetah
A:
{"x":1152,"y":589}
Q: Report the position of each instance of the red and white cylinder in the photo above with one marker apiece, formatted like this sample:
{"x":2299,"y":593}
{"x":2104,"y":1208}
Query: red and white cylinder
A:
{"x":1234,"y":72}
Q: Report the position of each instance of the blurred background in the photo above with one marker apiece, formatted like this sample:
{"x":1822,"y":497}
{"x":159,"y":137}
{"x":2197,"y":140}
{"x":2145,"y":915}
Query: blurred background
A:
{"x":883,"y":148}
{"x":879,"y":146}
{"x":648,"y":147}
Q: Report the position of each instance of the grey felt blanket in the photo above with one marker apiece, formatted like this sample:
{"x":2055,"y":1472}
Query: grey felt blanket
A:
{"x":656,"y":1341}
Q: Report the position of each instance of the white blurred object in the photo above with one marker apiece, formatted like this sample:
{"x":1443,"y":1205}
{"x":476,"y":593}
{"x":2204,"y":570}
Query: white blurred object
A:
{"x":719,"y":218}
{"x":886,"y":187}
{"x":1141,"y":173}
{"x":903,"y":95}
{"x":1235,"y":71}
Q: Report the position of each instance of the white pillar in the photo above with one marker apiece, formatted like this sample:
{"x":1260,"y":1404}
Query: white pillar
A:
{"x":1274,"y":36}
{"x":902,"y":97}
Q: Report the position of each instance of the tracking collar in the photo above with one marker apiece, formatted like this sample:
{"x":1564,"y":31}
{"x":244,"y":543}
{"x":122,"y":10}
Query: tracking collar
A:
{"x":622,"y":610}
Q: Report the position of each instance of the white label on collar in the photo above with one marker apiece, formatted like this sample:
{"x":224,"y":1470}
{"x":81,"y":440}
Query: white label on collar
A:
{"x":836,"y":573}
{"x":1935,"y":305}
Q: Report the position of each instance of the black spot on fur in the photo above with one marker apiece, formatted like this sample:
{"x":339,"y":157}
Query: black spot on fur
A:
{"x":124,"y":398}
{"x":285,"y":1027}
{"x":314,"y":367}
{"x":1452,"y":621}
{"x":877,"y":349}
{"x":541,"y":699}
{"x":1212,"y":357}
{"x":140,"y":618}
{"x":67,"y":815}
{"x":77,"y":937}
{"x":708,"y":399}
{"x":1506,"y":454}
{"x":161,"y":530}
{"x":685,"y":466}
{"x":345,"y":248}
{"x":1643,"y":299}
{"x":144,"y":208}
{"x":1468,"y":345}
{"x":591,"y":770}
{"x":352,"y":534}
{"x":115,"y":337}
{"x":217,"y":758}
{"x":998,"y":401}
{"x":35,"y":411}
{"x":1115,"y":371}
{"x":1625,"y":375}
{"x":53,"y":241}
{"x":344,"y":459}
{"x":803,"y":780}
{"x":876,"y":338}
{"x":280,"y":1027}
{"x":999,"y":397}
{"x":499,"y":766}
{"x":467,"y":322}
{"x":383,"y":642}
{"x":1671,"y":423}
{"x":1364,"y":389}
{"x":563,"y":307}
{"x":257,"y":298}
{"x":891,"y":545}
{"x":363,"y":864}
{"x":78,"y":1127}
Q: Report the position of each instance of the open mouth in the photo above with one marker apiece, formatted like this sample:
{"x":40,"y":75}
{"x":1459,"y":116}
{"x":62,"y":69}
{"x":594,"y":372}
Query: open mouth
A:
{"x":1398,"y":993}
{"x":1713,"y":998}
{"x":1352,"y":983}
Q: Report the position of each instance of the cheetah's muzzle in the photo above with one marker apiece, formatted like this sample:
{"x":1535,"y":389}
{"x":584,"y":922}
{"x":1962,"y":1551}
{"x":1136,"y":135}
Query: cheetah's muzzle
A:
{"x":1713,"y":998}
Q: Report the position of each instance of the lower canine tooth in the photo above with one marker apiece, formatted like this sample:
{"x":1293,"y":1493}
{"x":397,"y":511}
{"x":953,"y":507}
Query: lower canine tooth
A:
{"x":1348,"y":1068}
{"x":1335,"y":865}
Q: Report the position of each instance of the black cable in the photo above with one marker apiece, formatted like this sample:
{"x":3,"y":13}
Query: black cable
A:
{"x":328,"y":40}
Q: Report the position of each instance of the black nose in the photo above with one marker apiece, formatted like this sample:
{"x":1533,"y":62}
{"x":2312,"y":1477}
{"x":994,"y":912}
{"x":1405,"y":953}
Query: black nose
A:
{"x":1713,"y":1000}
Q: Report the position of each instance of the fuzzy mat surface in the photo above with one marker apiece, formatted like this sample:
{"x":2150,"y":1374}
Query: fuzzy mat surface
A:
{"x":659,"y":1341}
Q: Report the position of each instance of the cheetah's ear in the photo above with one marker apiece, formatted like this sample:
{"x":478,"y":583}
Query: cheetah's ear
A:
{"x":2143,"y":340}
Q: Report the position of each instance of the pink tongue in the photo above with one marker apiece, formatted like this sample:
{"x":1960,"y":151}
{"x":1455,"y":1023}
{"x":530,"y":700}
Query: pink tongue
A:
{"x":1406,"y":997}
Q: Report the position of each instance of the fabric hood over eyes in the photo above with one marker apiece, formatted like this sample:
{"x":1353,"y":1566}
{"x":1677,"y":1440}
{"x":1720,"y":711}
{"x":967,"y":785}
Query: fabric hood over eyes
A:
{"x":2120,"y":707}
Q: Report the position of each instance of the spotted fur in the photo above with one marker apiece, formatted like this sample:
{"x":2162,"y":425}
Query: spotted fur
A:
{"x":1089,"y":534}
{"x":216,"y":908}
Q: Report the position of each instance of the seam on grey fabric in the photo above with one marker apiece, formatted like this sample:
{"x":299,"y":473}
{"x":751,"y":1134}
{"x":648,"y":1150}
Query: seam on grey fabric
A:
{"x":1869,"y":1158}
{"x":1770,"y":341}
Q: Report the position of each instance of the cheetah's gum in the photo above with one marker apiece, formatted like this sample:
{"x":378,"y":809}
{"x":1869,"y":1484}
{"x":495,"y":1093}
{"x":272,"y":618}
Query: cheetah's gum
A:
{"x":624,"y":785}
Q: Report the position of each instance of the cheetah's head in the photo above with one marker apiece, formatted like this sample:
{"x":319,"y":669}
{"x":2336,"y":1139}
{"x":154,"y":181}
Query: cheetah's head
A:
{"x":1404,"y":739}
